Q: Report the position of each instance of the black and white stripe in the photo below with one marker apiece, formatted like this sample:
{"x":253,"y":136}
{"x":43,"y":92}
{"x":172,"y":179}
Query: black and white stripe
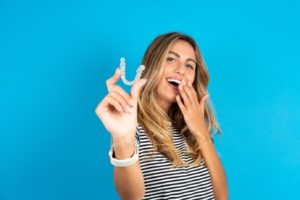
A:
{"x":162,"y":181}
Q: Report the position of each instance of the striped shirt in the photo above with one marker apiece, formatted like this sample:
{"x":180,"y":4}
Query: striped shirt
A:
{"x":162,"y":181}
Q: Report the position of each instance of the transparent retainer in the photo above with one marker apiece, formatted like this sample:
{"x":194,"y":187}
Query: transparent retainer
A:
{"x":139,"y":72}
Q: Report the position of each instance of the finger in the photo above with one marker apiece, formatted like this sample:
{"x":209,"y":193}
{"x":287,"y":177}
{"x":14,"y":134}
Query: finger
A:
{"x":114,"y":102}
{"x":124,"y":94}
{"x":184,"y":96}
{"x":121,"y":100}
{"x":135,"y":90}
{"x":203,"y":102}
{"x":193,"y":91}
{"x":189,"y":93}
{"x":180,"y":104}
{"x":111,"y":81}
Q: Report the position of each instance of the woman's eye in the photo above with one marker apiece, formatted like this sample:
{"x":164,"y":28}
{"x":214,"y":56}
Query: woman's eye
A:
{"x":171,"y":59}
{"x":190,"y":66}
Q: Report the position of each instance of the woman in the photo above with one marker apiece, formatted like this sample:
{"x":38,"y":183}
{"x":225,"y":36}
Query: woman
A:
{"x":161,"y":131}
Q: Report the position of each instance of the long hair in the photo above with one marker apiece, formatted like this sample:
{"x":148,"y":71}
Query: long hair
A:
{"x":153,"y":119}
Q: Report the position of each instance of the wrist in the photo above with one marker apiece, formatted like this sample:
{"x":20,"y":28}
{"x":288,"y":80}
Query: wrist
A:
{"x":126,"y":161}
{"x":124,"y":139}
{"x":123,"y":147}
{"x":123,"y":152}
{"x":204,"y":139}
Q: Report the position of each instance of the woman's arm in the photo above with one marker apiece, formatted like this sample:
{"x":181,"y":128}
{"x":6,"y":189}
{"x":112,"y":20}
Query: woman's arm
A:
{"x":193,"y":112}
{"x":215,"y":168}
{"x":129,"y":180}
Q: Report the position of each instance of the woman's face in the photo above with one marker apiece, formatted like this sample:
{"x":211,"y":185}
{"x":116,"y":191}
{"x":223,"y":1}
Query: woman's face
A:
{"x":179,"y":65}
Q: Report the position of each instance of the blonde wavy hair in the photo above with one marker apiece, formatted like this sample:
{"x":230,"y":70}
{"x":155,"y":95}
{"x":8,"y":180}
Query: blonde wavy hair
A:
{"x":153,"y":119}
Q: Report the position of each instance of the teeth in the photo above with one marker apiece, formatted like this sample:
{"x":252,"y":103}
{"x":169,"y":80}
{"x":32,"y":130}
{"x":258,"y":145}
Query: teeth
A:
{"x":173,"y":80}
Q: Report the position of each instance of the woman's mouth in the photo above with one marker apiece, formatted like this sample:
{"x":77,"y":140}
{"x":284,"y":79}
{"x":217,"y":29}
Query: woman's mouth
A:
{"x":173,"y":85}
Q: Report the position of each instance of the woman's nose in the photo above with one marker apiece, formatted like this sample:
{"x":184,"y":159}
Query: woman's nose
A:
{"x":180,"y":68}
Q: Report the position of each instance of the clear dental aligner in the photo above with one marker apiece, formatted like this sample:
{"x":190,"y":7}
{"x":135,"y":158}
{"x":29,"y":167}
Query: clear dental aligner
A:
{"x":139,"y":72}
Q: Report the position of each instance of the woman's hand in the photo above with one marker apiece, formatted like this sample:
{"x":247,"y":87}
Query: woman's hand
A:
{"x":118,"y":110}
{"x":193,"y":110}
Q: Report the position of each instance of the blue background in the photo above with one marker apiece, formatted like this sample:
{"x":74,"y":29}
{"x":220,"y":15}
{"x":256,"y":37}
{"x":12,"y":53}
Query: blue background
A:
{"x":55,"y":57}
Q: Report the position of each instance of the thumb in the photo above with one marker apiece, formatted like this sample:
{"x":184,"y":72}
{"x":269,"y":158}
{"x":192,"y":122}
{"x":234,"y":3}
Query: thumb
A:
{"x":135,"y":90}
{"x":113,"y":80}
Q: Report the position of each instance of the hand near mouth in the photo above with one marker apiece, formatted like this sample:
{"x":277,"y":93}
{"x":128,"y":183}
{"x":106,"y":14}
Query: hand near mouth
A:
{"x":193,"y":110}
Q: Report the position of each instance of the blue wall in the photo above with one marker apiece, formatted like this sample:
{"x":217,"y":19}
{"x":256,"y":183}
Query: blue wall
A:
{"x":56,"y":56}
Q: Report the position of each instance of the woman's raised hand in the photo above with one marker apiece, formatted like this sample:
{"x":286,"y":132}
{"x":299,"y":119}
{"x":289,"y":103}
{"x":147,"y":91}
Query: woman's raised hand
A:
{"x":118,"y":110}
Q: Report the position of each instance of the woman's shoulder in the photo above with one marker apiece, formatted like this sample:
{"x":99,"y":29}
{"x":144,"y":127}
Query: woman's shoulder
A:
{"x":140,"y":127}
{"x":140,"y":132}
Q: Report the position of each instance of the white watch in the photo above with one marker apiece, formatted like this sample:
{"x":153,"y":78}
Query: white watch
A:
{"x":125,"y":162}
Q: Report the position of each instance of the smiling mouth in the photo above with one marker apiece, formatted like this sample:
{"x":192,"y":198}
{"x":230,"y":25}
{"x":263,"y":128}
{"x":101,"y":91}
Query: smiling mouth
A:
{"x":173,"y":84}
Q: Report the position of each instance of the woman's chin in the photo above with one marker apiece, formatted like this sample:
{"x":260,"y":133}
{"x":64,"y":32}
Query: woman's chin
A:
{"x":173,"y":99}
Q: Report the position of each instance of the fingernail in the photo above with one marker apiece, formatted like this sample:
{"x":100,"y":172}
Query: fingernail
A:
{"x":144,"y":81}
{"x":128,"y":109}
{"x":131,"y":102}
{"x":120,"y":109}
{"x":118,"y":70}
{"x":180,"y":87}
{"x":183,"y":82}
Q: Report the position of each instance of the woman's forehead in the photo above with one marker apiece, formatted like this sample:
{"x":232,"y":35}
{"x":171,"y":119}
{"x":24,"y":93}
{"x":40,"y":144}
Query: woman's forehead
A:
{"x":184,"y":49}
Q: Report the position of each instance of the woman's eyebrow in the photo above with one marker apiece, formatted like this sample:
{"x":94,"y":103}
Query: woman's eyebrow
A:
{"x":178,"y":56}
